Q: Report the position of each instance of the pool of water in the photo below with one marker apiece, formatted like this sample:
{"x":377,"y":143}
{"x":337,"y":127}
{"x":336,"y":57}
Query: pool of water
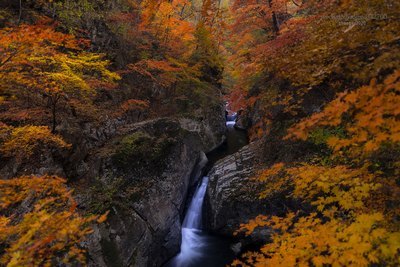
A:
{"x":199,"y":248}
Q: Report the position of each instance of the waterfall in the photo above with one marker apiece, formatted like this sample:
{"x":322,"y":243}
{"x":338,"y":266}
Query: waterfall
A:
{"x":199,"y":248}
{"x":231,"y":120}
{"x":193,"y":239}
{"x":194,"y":213}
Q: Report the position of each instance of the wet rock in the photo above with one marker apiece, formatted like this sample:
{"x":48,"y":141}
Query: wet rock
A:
{"x":236,"y":248}
{"x":243,"y":120}
{"x":144,"y":226}
{"x":146,"y":205}
{"x":231,"y":196}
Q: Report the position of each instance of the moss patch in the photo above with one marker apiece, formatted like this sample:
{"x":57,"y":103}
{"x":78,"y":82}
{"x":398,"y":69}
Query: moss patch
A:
{"x":104,"y":195}
{"x":139,"y":151}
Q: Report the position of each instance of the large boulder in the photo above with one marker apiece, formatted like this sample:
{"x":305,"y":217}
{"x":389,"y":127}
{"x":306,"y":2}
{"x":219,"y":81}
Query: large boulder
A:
{"x":146,"y":187}
{"x":232,"y":196}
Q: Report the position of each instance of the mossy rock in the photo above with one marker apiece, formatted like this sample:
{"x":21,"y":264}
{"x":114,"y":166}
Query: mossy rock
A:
{"x":140,"y":151}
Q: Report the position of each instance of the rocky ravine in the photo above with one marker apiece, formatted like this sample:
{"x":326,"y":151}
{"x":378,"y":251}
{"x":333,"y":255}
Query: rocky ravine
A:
{"x":145,"y":192}
{"x":143,"y":227}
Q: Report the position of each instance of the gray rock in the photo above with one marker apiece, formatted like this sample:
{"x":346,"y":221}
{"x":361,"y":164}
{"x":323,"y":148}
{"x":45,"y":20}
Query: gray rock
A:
{"x":236,"y":248}
{"x":145,"y":230}
{"x":143,"y":227}
{"x":232,"y":197}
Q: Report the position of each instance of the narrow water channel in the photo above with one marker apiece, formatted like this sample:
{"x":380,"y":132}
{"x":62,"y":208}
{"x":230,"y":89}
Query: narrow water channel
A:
{"x":199,"y":248}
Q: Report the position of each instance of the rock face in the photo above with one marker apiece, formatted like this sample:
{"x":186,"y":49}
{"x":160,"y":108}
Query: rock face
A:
{"x":143,"y":228}
{"x":243,"y":120}
{"x":84,"y":138}
{"x":231,"y":196}
{"x":146,"y":196}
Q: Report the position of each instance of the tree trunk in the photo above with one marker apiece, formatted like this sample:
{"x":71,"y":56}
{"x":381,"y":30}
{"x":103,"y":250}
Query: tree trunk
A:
{"x":54,"y":120}
{"x":275,"y":24}
{"x":53,"y":103}
{"x":20,"y":11}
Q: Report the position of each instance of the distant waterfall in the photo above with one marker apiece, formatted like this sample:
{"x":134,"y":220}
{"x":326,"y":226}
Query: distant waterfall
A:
{"x":231,"y":120}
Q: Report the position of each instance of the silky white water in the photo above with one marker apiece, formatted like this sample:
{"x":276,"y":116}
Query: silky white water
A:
{"x":231,"y":120}
{"x":193,"y":239}
{"x":198,"y":248}
{"x":194,"y":213}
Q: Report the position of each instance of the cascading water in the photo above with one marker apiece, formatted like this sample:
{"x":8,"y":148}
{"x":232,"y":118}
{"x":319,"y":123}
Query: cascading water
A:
{"x":198,"y":248}
{"x":193,"y":239}
{"x":194,"y":214}
{"x":231,"y":120}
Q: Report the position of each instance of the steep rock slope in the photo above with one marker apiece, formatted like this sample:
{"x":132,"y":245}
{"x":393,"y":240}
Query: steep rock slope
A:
{"x":145,"y":192}
{"x":231,"y":197}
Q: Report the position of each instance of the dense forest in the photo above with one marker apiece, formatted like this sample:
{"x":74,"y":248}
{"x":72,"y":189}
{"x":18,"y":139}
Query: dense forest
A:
{"x":109,"y":110}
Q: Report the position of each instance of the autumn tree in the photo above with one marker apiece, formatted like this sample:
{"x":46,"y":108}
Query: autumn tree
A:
{"x":24,"y":142}
{"x":134,"y":106}
{"x":318,"y":48}
{"x":342,"y":60}
{"x":165,"y":21}
{"x":47,"y":232}
{"x":375,"y":120}
{"x":349,"y":212}
{"x":44,"y":67}
{"x":343,"y":228}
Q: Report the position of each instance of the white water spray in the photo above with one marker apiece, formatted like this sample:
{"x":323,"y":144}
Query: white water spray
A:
{"x":199,"y":249}
{"x":231,"y":120}
{"x":194,"y":213}
{"x":192,"y":238}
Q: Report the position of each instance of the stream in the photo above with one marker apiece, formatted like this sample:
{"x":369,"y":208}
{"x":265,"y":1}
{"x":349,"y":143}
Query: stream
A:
{"x":200,"y":248}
